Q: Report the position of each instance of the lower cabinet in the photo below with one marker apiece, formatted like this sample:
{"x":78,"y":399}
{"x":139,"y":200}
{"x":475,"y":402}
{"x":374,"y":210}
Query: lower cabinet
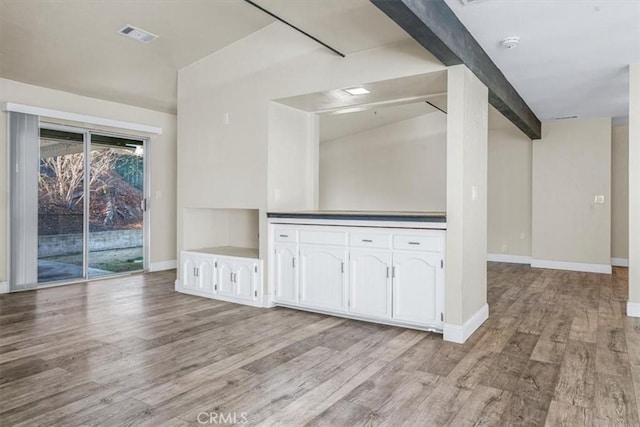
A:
{"x":403,"y":284}
{"x":370,"y":283}
{"x":322,"y":277}
{"x":415,"y":287}
{"x":198,"y":272}
{"x":285,"y":265}
{"x":234,"y":278}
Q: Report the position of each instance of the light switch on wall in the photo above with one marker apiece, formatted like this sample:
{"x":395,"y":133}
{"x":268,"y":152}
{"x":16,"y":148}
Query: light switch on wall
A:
{"x":598,"y":200}
{"x":474,"y":193}
{"x":225,"y":118}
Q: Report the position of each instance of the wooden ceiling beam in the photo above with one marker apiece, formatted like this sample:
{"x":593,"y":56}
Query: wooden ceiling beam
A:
{"x":434,"y":25}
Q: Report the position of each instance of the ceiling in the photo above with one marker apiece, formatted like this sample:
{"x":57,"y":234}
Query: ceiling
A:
{"x":72,"y":45}
{"x":573,"y":54}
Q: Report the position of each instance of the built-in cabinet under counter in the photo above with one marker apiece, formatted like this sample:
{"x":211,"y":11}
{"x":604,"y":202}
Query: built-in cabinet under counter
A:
{"x":228,"y":273}
{"x":385,"y":268}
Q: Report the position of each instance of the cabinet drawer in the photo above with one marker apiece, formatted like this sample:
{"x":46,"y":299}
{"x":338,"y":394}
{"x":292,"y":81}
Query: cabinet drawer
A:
{"x":417,"y":242}
{"x":320,"y":237}
{"x":286,"y":235}
{"x":370,"y":240}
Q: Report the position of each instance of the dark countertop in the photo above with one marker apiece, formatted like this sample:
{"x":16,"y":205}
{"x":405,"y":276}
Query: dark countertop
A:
{"x":440,"y":217}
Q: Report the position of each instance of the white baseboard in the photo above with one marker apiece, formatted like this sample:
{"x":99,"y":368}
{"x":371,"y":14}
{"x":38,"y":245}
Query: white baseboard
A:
{"x":633,"y":309}
{"x":4,"y":287}
{"x":460,"y":333}
{"x":513,"y":259}
{"x":620,"y":262}
{"x":571,"y":266}
{"x":162,"y":265}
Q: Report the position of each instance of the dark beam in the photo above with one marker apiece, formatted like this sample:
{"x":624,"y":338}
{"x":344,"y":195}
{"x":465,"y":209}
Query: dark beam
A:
{"x":438,"y":30}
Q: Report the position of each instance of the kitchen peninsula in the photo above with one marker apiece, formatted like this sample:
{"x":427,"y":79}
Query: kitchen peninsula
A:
{"x":385,"y":267}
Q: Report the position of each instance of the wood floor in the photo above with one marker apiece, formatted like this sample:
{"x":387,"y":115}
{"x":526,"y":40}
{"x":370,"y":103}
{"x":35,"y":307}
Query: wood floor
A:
{"x":557,"y":349}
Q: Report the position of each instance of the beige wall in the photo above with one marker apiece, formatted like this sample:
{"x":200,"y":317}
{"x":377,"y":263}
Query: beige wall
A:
{"x":162,"y":155}
{"x":397,"y":167}
{"x":571,"y":165}
{"x":509,"y":197}
{"x":225,"y":165}
{"x":466,"y":268}
{"x":620,"y":192}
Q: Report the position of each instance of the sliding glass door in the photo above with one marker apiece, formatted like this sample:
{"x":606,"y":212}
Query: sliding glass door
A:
{"x":61,"y":200}
{"x":116,"y":205}
{"x":91,"y":204}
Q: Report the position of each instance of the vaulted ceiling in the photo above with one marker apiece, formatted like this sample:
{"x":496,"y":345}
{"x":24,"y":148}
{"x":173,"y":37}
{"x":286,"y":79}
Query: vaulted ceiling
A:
{"x":571,"y":60}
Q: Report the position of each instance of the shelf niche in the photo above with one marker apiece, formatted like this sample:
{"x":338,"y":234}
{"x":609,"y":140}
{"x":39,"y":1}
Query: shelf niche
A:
{"x":206,"y":228}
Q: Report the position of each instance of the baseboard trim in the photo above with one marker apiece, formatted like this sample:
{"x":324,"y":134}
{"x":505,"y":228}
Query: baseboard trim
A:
{"x":513,"y":259}
{"x":571,"y":266}
{"x":163,"y":265}
{"x":633,"y":309}
{"x":4,"y":287}
{"x":460,"y":333}
{"x":620,"y":262}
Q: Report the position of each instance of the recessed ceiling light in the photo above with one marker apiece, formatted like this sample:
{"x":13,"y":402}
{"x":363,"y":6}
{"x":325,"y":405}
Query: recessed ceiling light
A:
{"x":137,"y":34}
{"x":357,"y":91}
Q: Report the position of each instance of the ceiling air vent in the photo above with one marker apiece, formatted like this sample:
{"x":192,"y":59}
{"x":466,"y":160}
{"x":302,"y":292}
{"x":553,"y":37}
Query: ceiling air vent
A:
{"x":137,"y":34}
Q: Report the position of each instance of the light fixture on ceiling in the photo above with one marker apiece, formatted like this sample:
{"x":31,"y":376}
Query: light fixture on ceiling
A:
{"x":468,"y":2}
{"x":357,"y":91}
{"x":510,"y":42}
{"x":137,"y":34}
{"x":566,"y":118}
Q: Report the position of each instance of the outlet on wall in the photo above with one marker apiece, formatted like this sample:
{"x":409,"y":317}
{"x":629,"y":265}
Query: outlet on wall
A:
{"x":504,"y":248}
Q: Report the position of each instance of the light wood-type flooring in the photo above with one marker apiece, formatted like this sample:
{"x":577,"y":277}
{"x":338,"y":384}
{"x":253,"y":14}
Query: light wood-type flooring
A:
{"x":556,"y":350}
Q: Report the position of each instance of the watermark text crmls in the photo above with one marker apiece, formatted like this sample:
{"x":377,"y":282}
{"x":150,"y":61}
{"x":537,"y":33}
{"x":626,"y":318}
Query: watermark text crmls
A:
{"x":223,"y":418}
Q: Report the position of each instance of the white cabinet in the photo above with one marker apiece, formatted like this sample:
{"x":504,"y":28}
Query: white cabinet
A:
{"x":370,"y":283}
{"x":198,"y":272}
{"x":224,"y":273}
{"x":393,"y":276}
{"x":238,"y":278}
{"x":416,"y":281}
{"x":322,"y":277}
{"x":286,"y":273}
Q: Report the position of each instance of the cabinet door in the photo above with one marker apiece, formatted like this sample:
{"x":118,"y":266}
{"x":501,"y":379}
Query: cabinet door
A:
{"x":370,"y":283}
{"x":245,"y":273}
{"x":188,"y":271}
{"x":225,"y":277}
{"x":286,"y":273}
{"x":416,"y":280}
{"x":206,"y":273}
{"x":322,"y":277}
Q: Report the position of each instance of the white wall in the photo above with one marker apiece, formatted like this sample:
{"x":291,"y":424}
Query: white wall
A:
{"x":397,"y":167}
{"x":226,"y":165}
{"x":162,"y":149}
{"x":509,"y":192}
{"x":620,"y":192}
{"x":467,"y":133}
{"x":571,"y":165}
{"x":292,"y":151}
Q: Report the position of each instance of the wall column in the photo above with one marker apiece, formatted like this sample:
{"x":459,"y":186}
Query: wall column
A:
{"x":633,"y":305}
{"x":466,"y":263}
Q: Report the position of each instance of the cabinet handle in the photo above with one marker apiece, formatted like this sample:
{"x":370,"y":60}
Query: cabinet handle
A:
{"x":393,"y":271}
{"x":196,"y":272}
{"x":367,"y":240}
{"x":414,"y":243}
{"x":293,"y":262}
{"x":387,"y":272}
{"x":342,"y":267}
{"x":231,"y":274}
{"x":284,"y":235}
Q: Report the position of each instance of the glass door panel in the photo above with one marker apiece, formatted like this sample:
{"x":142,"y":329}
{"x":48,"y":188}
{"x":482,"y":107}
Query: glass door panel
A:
{"x":61,"y":206}
{"x":116,"y":210}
